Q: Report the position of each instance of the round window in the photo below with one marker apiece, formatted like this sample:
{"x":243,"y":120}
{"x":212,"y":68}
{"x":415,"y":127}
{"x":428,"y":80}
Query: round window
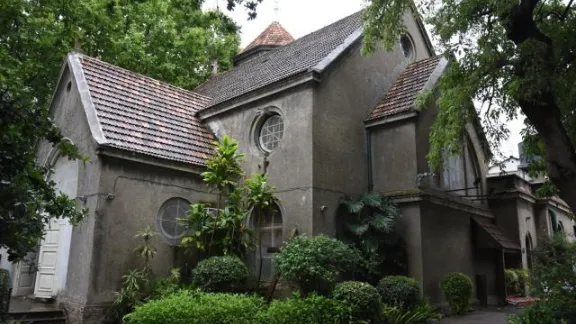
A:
{"x":407,"y":47}
{"x":168,"y":216}
{"x":271,"y":133}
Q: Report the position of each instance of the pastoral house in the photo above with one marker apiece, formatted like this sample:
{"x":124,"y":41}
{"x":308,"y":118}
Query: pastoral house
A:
{"x":322,"y":119}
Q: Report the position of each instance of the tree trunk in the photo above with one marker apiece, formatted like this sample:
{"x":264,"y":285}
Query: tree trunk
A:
{"x":540,"y":107}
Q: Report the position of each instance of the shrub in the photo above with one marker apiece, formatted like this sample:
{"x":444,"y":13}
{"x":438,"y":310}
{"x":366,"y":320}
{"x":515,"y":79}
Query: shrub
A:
{"x":362,"y":297}
{"x":313,"y":309}
{"x":457,"y":288}
{"x":420,"y":314}
{"x":315,"y":263}
{"x":198,"y":308}
{"x":399,"y":291}
{"x":221,"y":274}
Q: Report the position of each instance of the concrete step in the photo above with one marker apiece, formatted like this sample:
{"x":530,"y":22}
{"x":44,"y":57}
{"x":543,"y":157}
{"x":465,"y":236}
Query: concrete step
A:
{"x":56,"y":316}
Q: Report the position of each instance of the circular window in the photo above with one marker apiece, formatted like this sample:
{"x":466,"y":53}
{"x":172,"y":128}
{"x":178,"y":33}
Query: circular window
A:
{"x":168,"y":216}
{"x":407,"y":47}
{"x":271,"y":133}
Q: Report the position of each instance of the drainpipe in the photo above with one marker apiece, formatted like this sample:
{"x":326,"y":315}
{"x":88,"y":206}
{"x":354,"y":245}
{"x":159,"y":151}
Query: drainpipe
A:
{"x":368,"y":141}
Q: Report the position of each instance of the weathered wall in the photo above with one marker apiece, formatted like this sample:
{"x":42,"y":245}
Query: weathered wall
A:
{"x":138,"y":192}
{"x":290,"y":164}
{"x":410,"y":227}
{"x":526,"y":225}
{"x":69,"y":115}
{"x":446,"y":246}
{"x":342,"y":101}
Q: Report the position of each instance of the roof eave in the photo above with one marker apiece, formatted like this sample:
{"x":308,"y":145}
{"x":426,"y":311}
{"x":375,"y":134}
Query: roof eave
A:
{"x":340,"y":50}
{"x":129,"y":155}
{"x":73,"y":61}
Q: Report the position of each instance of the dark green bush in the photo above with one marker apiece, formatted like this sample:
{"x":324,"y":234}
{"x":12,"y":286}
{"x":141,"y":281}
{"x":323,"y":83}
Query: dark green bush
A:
{"x":315,"y":263}
{"x":362,"y":297}
{"x":399,"y":291}
{"x":313,"y":309}
{"x":198,"y":308}
{"x":221,"y":274}
{"x":457,"y":288}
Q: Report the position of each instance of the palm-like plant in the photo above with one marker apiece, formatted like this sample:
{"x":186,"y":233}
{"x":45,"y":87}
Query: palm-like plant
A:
{"x":369,"y":226}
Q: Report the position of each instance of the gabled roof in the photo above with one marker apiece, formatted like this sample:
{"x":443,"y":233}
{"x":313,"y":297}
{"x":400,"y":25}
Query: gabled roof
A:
{"x":274,"y":35}
{"x":143,"y":115}
{"x":401,"y":96}
{"x":497,"y":234}
{"x":302,"y":55}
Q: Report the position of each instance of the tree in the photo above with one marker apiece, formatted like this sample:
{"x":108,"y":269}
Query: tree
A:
{"x":512,"y":55}
{"x":173,"y":41}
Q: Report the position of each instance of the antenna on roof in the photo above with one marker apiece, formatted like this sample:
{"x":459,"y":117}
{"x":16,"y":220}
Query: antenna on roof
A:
{"x":276,"y":8}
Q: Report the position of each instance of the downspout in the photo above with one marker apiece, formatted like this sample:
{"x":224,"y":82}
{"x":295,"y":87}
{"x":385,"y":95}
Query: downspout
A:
{"x":368,"y":142}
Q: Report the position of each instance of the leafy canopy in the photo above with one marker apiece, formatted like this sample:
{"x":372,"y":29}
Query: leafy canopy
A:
{"x":173,"y":41}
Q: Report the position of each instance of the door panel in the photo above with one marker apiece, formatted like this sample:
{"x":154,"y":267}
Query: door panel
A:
{"x":25,"y":277}
{"x":47,"y":260}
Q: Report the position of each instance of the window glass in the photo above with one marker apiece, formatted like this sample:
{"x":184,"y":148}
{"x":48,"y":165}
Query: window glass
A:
{"x":268,"y":230}
{"x":271,"y":133}
{"x":168,"y":216}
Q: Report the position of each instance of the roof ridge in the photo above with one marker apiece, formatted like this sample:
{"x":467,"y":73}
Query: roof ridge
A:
{"x":140,"y":75}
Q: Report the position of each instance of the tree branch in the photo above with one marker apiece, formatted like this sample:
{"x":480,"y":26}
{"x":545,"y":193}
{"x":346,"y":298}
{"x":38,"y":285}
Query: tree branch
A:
{"x":566,"y":10}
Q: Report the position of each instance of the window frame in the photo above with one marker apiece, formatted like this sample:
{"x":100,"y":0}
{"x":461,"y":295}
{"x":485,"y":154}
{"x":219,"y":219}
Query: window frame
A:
{"x":266,"y":147}
{"x":277,"y":224}
{"x":160,"y":220}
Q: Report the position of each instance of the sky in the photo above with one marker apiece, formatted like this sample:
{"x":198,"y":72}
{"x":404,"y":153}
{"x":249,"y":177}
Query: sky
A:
{"x":301,"y":17}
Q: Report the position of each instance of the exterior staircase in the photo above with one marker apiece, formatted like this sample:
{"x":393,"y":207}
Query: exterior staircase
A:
{"x":31,"y":311}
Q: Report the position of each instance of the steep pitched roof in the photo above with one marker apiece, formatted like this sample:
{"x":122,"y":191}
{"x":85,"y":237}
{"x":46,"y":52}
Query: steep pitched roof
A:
{"x":274,"y":35}
{"x":143,"y":115}
{"x":301,"y":55}
{"x":400,"y":97}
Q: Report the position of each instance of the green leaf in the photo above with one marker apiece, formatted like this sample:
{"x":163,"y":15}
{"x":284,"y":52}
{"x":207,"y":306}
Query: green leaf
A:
{"x":353,"y":206}
{"x":357,"y":229}
{"x":372,"y":199}
{"x":382,"y":223}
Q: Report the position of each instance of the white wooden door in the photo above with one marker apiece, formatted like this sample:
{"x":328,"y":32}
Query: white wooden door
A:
{"x":25,"y":276}
{"x":46,"y":282}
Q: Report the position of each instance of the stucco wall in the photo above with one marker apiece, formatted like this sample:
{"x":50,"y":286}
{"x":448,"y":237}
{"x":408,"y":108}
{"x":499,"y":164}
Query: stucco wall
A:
{"x":446,"y":246}
{"x":290,"y":164}
{"x":343,"y":99}
{"x":138,"y":192}
{"x":69,"y":115}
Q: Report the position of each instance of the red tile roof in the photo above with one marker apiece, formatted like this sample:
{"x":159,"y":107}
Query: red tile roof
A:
{"x":274,"y":35}
{"x":496,"y":233}
{"x":400,"y":98}
{"x":143,"y":115}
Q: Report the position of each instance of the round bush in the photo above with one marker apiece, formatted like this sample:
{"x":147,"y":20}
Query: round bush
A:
{"x":457,"y":288}
{"x":362,"y":298}
{"x":399,"y":291}
{"x":221,"y":274}
{"x":198,"y":308}
{"x":313,"y":309}
{"x":314,"y":263}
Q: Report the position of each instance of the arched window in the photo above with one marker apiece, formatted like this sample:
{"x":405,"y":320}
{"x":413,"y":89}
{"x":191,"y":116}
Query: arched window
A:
{"x":167,"y":220}
{"x":560,"y":227}
{"x":553,"y":222}
{"x":268,"y":230}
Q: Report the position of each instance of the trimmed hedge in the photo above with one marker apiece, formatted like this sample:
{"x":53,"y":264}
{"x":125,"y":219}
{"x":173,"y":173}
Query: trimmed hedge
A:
{"x":457,"y":288}
{"x":315,"y":263}
{"x":362,"y":297}
{"x":399,"y":291}
{"x":221,"y":274}
{"x":313,"y":309}
{"x":198,"y":308}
